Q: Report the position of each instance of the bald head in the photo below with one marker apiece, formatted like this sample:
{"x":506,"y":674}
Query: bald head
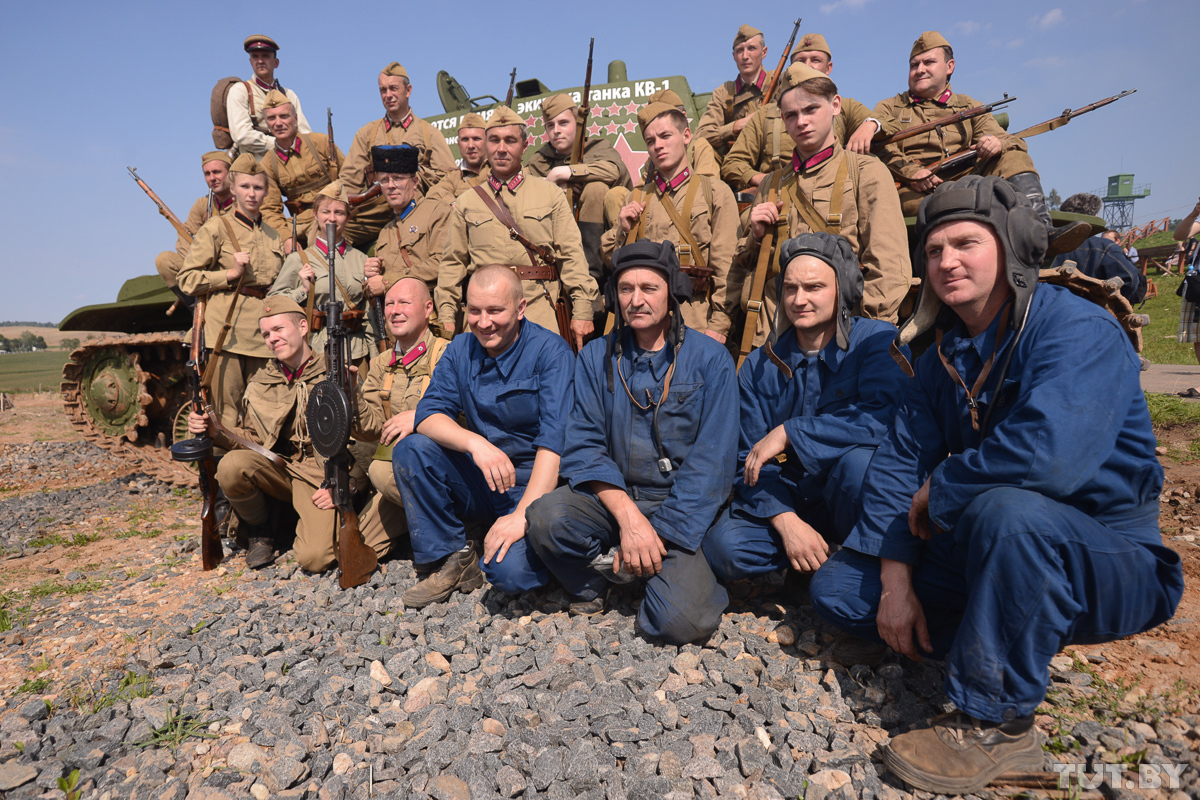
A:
{"x":407,"y":308}
{"x":497,"y":276}
{"x":413,"y":288}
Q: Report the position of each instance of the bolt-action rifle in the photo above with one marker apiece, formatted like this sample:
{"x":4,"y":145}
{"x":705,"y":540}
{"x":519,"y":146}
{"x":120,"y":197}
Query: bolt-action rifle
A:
{"x":162,"y":207}
{"x":332,"y":409}
{"x":333,"y":165}
{"x":938,"y":124}
{"x":512,"y":87}
{"x":787,"y":51}
{"x":585,"y":104}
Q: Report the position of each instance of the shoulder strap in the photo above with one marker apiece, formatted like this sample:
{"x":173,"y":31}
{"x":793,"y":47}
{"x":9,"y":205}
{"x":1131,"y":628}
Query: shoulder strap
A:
{"x":639,"y":229}
{"x":833,"y":222}
{"x":232,"y":236}
{"x":682,"y":222}
{"x":500,"y":210}
{"x":758,"y":285}
{"x":312,"y":296}
{"x":317,"y":153}
{"x":250,"y":97}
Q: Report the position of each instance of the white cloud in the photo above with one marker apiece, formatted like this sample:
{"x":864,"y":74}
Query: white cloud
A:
{"x":1014,"y":43}
{"x":839,"y":5}
{"x":965,"y":28}
{"x":1048,"y":20}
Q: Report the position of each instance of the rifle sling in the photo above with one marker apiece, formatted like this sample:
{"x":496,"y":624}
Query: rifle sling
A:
{"x":758,"y":286}
{"x":833,"y":222}
{"x":500,"y":210}
{"x":311,"y":295}
{"x":225,"y":326}
{"x":317,"y":155}
{"x":677,"y":219}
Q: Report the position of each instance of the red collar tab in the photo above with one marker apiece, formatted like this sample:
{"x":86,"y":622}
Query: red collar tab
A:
{"x":739,"y":85}
{"x":813,"y":161}
{"x":249,"y":223}
{"x":414,"y":352}
{"x":342,"y":245}
{"x":266,"y":87}
{"x":674,"y":182}
{"x":941,"y":99}
{"x":404,"y":123}
{"x":223,"y":204}
{"x":511,"y":185}
{"x":284,"y":155}
{"x":292,"y":377}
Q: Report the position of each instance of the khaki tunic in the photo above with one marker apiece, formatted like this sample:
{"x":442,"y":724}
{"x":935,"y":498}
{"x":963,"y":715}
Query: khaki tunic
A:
{"x":909,"y":156}
{"x":422,"y":235}
{"x":434,"y":162}
{"x":451,"y":187}
{"x":726,"y":107}
{"x":204,"y":270}
{"x":298,"y":181}
{"x":871,"y":223}
{"x":349,"y":269}
{"x":249,"y":132}
{"x":764,"y":144}
{"x":714,"y":226}
{"x":274,"y":414}
{"x":169,"y":263}
{"x":476,"y":238}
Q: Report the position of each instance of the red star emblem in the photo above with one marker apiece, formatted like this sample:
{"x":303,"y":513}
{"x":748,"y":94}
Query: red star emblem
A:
{"x":593,"y":129}
{"x":634,"y":159}
{"x":630,"y":126}
{"x":613,"y":110}
{"x":531,"y":121}
{"x":612,"y":128}
{"x":631,"y":108}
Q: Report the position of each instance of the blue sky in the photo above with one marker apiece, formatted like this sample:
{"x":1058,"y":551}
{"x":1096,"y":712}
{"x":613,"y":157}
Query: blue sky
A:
{"x":91,"y":88}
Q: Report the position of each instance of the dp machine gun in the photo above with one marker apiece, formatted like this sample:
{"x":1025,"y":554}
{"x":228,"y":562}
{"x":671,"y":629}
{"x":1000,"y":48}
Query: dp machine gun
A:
{"x":332,"y":408}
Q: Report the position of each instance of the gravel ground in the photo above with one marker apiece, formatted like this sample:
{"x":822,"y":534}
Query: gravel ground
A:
{"x":278,"y":684}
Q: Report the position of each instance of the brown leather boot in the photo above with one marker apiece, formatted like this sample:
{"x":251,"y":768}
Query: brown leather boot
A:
{"x":959,"y":754}
{"x":460,"y":571}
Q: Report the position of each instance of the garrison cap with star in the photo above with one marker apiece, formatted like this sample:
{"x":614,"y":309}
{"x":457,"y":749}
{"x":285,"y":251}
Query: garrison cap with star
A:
{"x":472,"y":121}
{"x":247,"y":165}
{"x":745,"y":34}
{"x":652,"y":111}
{"x":666,"y":96}
{"x":502,"y":117}
{"x":215,"y":155}
{"x":812,"y":41}
{"x":337,"y":191}
{"x":797,"y":74}
{"x":395,"y":159}
{"x":395,"y":70}
{"x":259,"y":42}
{"x":280,"y":304}
{"x":275,"y":99}
{"x":559,"y":103}
{"x":927,"y":41}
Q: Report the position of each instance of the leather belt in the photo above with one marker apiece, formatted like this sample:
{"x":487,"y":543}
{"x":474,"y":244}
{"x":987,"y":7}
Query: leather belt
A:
{"x":528,"y":273}
{"x":250,"y":291}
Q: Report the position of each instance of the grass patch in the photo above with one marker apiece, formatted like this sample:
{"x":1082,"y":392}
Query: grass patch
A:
{"x":33,"y":686}
{"x":1159,"y":343}
{"x":178,"y":728}
{"x":29,"y":372}
{"x":131,"y":533}
{"x":51,"y":540}
{"x":51,"y":588}
{"x":81,"y":539}
{"x":86,"y":699}
{"x":1168,"y":411}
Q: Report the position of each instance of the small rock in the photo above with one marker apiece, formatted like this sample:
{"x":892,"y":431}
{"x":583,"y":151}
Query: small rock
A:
{"x":492,"y":726}
{"x":380,"y":674}
{"x":342,"y":764}
{"x":259,"y":792}
{"x":33,"y":710}
{"x":282,"y":773}
{"x":510,"y":781}
{"x":246,"y":757}
{"x":824,"y":783}
{"x":13,"y":775}
{"x":438,"y":662}
{"x":785,"y":635}
{"x":703,"y":767}
{"x":448,"y":787}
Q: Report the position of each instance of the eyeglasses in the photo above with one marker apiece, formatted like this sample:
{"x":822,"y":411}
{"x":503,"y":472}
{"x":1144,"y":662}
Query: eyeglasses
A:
{"x":393,"y":180}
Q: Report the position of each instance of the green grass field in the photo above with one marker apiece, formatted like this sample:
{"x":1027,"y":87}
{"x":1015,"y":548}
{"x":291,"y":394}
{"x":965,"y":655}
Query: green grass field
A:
{"x":25,"y":372}
{"x":1159,"y":345}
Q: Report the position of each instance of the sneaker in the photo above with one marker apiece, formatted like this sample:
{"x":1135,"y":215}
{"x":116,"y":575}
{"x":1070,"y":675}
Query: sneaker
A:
{"x":459,"y":572}
{"x":959,"y":754}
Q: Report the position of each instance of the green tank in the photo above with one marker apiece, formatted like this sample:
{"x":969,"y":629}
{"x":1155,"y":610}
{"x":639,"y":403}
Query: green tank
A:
{"x":127,"y":392}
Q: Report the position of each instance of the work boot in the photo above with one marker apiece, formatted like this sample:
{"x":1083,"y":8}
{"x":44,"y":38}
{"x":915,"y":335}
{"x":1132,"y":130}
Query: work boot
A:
{"x":261,"y":550}
{"x":590,"y":608}
{"x":1061,"y":240}
{"x":959,"y":754}
{"x":460,"y":571}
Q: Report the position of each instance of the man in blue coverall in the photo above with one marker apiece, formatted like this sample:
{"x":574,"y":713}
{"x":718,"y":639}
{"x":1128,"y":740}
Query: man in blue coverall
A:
{"x":651,"y":455}
{"x":1017,"y":489}
{"x":822,"y":393}
{"x":512,"y":380}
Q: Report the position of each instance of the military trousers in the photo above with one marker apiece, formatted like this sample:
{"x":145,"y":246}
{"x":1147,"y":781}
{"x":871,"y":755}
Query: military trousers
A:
{"x":248,"y":478}
{"x":443,"y":492}
{"x":168,"y":263}
{"x":1020,"y":577}
{"x":740,"y":545}
{"x":1005,"y":165}
{"x":231,"y":375}
{"x":387,"y":501}
{"x":568,"y":529}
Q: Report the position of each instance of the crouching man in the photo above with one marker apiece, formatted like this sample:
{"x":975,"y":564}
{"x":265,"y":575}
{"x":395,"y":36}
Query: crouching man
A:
{"x":1018,"y":488}
{"x":511,"y":379}
{"x":273,"y":407}
{"x":651,"y":455}
{"x":822,"y":393}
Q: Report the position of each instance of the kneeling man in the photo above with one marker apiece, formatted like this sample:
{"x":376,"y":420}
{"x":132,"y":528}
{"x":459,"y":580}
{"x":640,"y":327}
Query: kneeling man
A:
{"x":273,"y":407}
{"x":511,"y":379}
{"x":651,"y":455}
{"x":1017,"y":490}
{"x":821,"y":394}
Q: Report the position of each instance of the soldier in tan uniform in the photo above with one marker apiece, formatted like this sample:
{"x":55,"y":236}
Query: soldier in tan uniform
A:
{"x":395,"y":383}
{"x":928,"y":98}
{"x":398,"y":126}
{"x":599,"y":170}
{"x":234,"y":260}
{"x":763,"y":145}
{"x":473,"y":169}
{"x":477,"y":238}
{"x":244,"y":103}
{"x":218,"y":201}
{"x":703,"y":206}
{"x":700,"y":153}
{"x":411,"y":245}
{"x":298,"y":167}
{"x":864,"y":209}
{"x":305,"y":277}
{"x":734,"y":101}
{"x":274,"y":408}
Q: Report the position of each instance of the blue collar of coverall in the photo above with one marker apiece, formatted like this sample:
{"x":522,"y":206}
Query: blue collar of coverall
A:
{"x":958,"y":339}
{"x":506,"y":361}
{"x":788,"y":350}
{"x":659,"y":360}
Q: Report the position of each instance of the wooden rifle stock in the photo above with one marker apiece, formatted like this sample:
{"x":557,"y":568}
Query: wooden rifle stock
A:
{"x":585,"y":109}
{"x":512,"y":87}
{"x":925,"y":127}
{"x":787,"y":52}
{"x":373,"y":191}
{"x":333,"y":165}
{"x":162,"y":207}
{"x":199,"y":450}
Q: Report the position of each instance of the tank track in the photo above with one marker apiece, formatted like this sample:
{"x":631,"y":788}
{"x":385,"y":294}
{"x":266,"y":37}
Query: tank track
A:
{"x":158,"y":360}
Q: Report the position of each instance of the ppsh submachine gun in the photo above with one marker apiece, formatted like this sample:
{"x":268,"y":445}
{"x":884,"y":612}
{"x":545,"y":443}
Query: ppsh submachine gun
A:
{"x":332,"y":408}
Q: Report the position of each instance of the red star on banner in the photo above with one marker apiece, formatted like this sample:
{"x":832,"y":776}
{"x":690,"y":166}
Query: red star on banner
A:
{"x":612,"y":128}
{"x":634,"y":159}
{"x":631,"y":108}
{"x":613,"y":110}
{"x":593,"y":129}
{"x":630,"y":126}
{"x":531,"y":121}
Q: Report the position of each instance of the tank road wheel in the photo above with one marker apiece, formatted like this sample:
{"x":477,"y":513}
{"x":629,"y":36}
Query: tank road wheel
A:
{"x":110,"y":389}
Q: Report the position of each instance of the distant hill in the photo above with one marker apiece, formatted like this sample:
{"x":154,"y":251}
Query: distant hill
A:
{"x":10,"y":324}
